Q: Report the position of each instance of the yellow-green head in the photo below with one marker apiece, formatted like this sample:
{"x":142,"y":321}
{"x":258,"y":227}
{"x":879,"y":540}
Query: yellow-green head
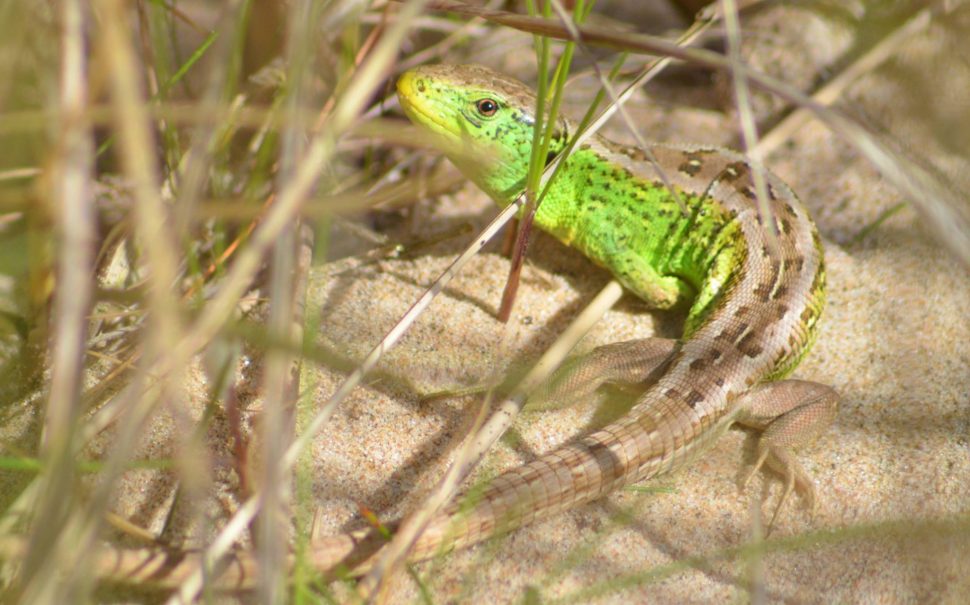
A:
{"x":485,"y":118}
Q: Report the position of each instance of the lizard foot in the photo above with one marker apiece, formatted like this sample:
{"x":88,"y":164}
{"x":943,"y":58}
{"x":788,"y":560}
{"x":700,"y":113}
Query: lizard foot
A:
{"x":789,"y":413}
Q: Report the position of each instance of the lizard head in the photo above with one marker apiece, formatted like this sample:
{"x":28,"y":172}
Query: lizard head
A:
{"x":484,"y":118}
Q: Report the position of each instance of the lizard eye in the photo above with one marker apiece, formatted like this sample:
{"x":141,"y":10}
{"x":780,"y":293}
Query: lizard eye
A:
{"x":487,"y":107}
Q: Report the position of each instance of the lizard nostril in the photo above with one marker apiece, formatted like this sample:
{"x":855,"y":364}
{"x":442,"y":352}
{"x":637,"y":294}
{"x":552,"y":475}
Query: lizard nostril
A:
{"x":420,"y":86}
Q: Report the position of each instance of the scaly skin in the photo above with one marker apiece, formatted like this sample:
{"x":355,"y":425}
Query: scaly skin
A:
{"x":754,"y":308}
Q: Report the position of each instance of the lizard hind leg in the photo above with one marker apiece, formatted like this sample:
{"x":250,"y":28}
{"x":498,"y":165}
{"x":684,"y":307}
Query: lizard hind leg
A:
{"x":632,"y":362}
{"x":789,"y":413}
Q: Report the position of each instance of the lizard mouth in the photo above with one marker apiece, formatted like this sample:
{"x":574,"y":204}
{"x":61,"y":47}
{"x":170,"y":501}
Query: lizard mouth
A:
{"x":420,"y":108}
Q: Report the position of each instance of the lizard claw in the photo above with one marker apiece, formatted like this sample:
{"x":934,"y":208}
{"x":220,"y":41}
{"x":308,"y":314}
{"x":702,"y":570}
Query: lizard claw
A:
{"x":762,"y":456}
{"x":796,"y":480}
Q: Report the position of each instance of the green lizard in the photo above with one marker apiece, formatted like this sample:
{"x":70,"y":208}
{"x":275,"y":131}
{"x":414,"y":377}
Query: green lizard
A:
{"x":754,"y":302}
{"x":753,"y":310}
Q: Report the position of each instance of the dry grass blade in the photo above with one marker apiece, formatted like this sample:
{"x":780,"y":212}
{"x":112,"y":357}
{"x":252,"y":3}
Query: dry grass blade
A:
{"x":76,"y":227}
{"x":749,"y":132}
{"x":835,"y":87}
{"x":936,"y":199}
{"x":287,"y":290}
